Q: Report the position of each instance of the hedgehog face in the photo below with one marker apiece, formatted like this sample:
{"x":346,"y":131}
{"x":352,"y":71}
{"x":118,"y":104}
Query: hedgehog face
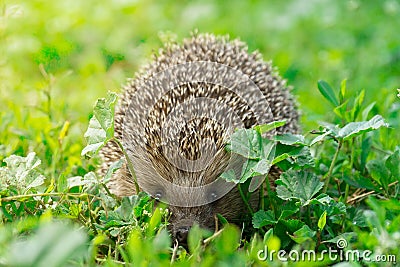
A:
{"x":194,"y":197}
{"x":182,"y":219}
{"x":230,"y":206}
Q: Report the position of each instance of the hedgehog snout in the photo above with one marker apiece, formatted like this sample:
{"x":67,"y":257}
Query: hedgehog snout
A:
{"x":181,"y":234}
{"x":181,"y":230}
{"x":183,"y":219}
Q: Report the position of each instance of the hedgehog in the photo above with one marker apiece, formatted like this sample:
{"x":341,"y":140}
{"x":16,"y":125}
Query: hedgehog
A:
{"x":175,"y":118}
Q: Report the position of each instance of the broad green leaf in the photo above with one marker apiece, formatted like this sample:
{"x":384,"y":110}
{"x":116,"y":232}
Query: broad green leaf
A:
{"x":268,"y":148}
{"x":154,"y":223}
{"x":112,"y":169}
{"x":248,"y":170}
{"x":302,"y":156}
{"x":262,"y":218}
{"x":135,"y":247}
{"x":322,"y":221}
{"x":357,"y":105}
{"x":228,"y":241}
{"x":290,"y":139}
{"x":75,"y":181}
{"x":298,"y":185}
{"x":256,"y":182}
{"x":299,"y":155}
{"x":359,"y":181}
{"x":195,"y":237}
{"x":333,"y":129}
{"x":353,"y":129}
{"x":162,"y":241}
{"x":87,"y":180}
{"x":96,"y":138}
{"x":92,"y":182}
{"x":325,"y":203}
{"x":273,"y":242}
{"x":230,"y":176}
{"x":372,"y":219}
{"x":101,"y":125}
{"x":392,"y":204}
{"x":327,"y":91}
{"x":111,"y":219}
{"x":141,"y":202}
{"x":342,"y":92}
{"x":335,"y":208}
{"x":268,"y":235}
{"x":380,"y":212}
{"x":62,"y":183}
{"x":262,"y":167}
{"x":104,"y":113}
{"x":263,"y":128}
{"x":356,"y":216}
{"x":303,"y":234}
{"x":393,"y":164}
{"x":365,"y":150}
{"x":319,"y":138}
{"x":292,"y":225}
{"x":253,"y":167}
{"x":287,"y":210}
{"x":378,"y":170}
{"x":126,"y":208}
{"x":22,"y":172}
{"x":322,"y":199}
{"x":280,"y":158}
{"x":341,"y":110}
{"x":247,"y":143}
{"x":52,"y":245}
{"x":365,"y":112}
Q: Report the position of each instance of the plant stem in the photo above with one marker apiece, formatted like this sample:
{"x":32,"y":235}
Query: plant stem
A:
{"x":308,"y":217}
{"x":346,"y":193}
{"x":271,"y":200}
{"x":107,"y":190}
{"x":49,"y":79}
{"x":91,"y":219}
{"x":261,"y":197}
{"x":129,"y":164}
{"x":329,"y":174}
{"x":245,"y":200}
{"x":5,"y":199}
{"x":216,"y":234}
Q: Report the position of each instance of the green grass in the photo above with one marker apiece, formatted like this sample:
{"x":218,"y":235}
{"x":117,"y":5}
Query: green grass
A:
{"x":58,"y":57}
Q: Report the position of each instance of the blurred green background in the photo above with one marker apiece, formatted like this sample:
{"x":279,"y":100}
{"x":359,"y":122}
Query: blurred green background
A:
{"x":58,"y":57}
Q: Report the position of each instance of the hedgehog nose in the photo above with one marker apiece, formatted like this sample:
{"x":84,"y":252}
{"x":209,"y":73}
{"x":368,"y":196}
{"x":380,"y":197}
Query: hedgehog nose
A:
{"x":182,"y":234}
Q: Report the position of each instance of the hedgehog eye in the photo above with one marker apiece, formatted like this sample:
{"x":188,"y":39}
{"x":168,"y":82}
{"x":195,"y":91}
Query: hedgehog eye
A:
{"x":158,"y":195}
